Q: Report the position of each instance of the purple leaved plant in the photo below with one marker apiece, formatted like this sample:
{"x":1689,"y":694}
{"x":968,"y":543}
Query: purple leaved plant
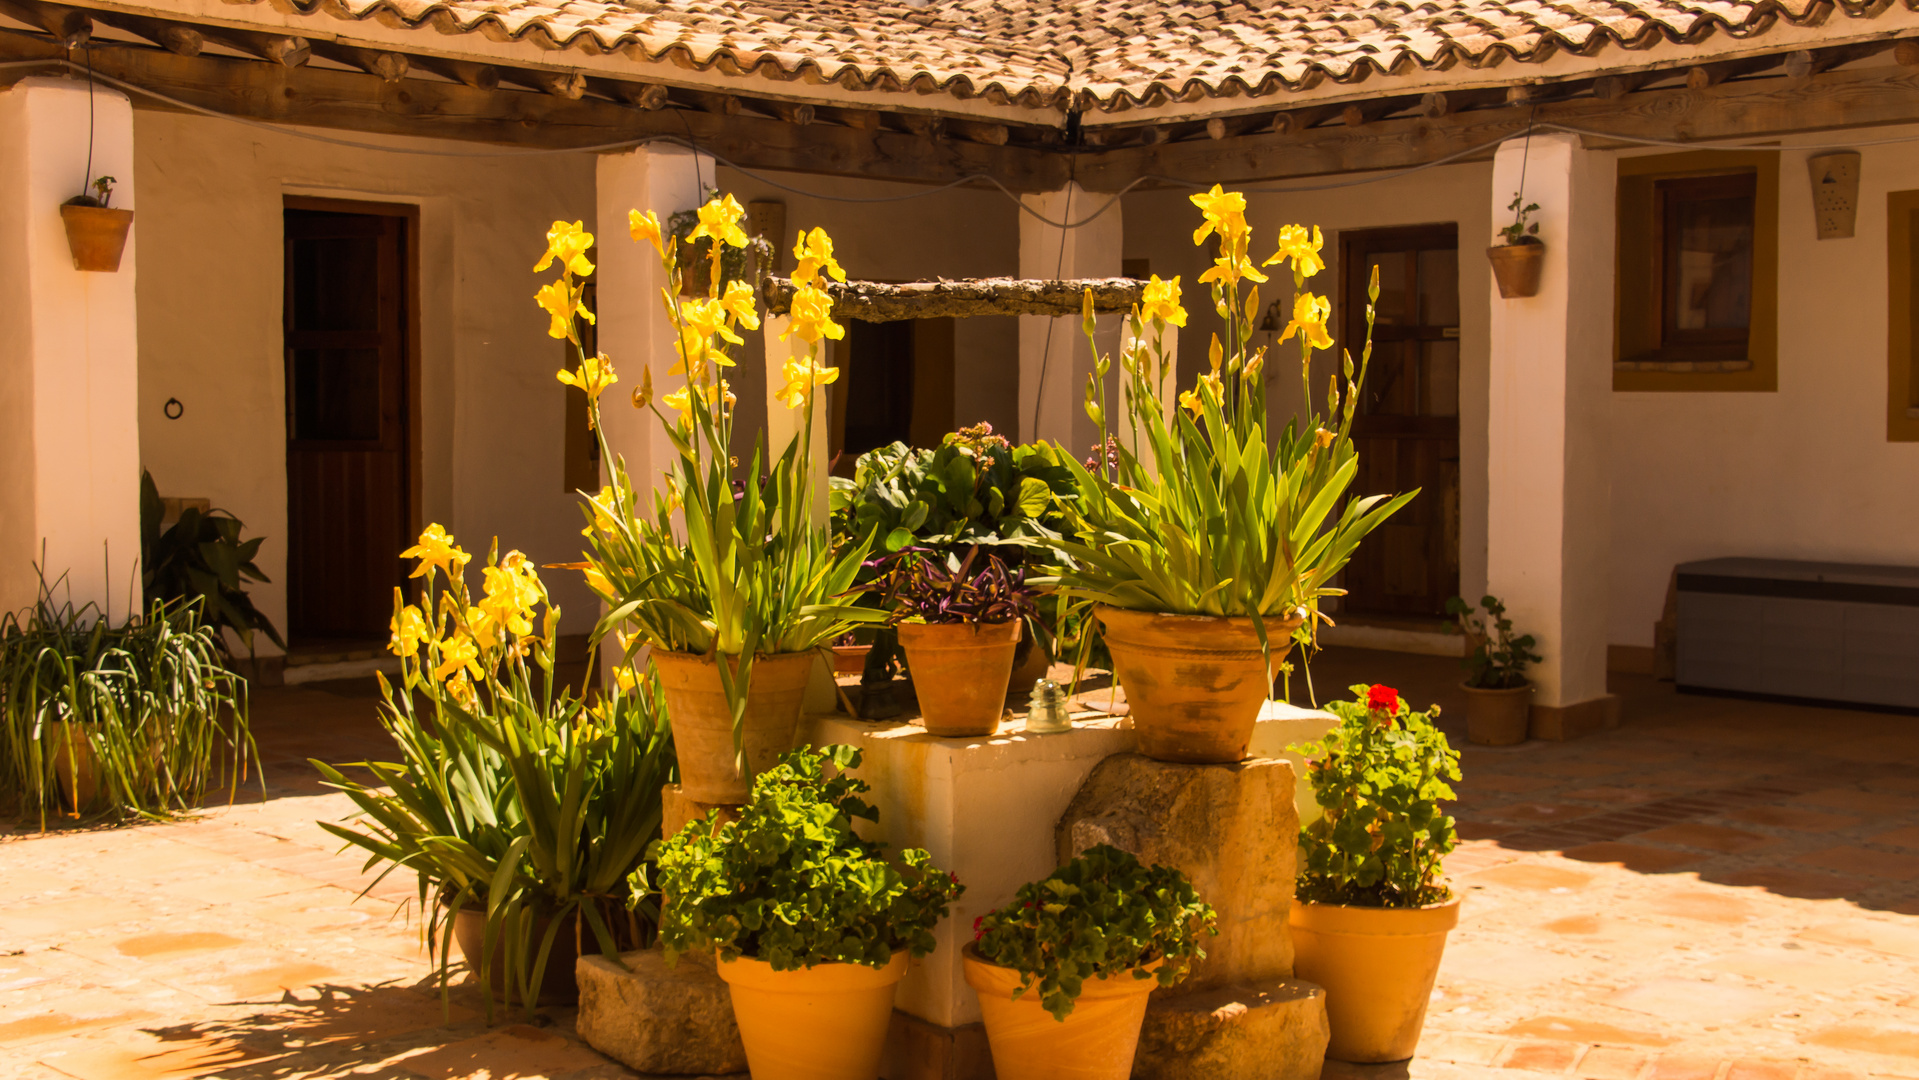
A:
{"x":922,"y":587}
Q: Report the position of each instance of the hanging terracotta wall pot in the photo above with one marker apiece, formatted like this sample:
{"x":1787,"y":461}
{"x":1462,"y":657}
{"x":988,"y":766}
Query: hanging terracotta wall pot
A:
{"x":97,"y":236}
{"x":1516,"y":267}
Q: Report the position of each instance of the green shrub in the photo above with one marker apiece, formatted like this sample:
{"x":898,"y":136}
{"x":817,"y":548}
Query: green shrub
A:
{"x":1379,"y":778}
{"x":790,"y":883}
{"x":1495,"y":659}
{"x":1098,"y":916}
{"x":202,"y":557}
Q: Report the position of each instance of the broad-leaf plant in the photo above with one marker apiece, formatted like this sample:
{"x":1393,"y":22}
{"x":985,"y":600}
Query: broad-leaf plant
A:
{"x":1495,"y":659}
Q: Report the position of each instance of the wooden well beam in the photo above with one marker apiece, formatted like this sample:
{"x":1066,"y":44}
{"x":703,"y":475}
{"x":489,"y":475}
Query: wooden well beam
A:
{"x":872,"y":301}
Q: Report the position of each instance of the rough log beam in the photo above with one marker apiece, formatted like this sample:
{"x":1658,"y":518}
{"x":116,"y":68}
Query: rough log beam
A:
{"x":355,"y":101}
{"x":872,"y":301}
{"x":173,"y":37}
{"x":1756,"y":108}
{"x":71,"y":27}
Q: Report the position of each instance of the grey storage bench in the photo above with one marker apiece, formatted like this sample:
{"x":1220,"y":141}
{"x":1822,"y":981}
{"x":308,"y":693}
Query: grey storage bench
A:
{"x":1819,"y":631}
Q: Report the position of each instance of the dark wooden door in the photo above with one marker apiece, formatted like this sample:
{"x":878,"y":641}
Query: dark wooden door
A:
{"x":347,"y":413}
{"x":1407,"y":430}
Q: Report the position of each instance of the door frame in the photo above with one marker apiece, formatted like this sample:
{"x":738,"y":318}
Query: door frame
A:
{"x":410,"y":300}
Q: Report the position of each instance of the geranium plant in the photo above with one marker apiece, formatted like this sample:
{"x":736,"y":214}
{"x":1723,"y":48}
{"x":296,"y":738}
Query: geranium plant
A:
{"x":1379,"y":777}
{"x":1209,"y":512}
{"x":919,"y":586}
{"x":791,"y":884}
{"x":1495,"y":659}
{"x":975,"y":488}
{"x":1101,"y":915}
{"x":744,"y":570}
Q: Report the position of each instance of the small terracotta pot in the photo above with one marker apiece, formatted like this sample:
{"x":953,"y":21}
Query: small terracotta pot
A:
{"x":703,"y":721}
{"x":1194,"y":683}
{"x":850,"y":659}
{"x":557,"y":984}
{"x":97,"y":236}
{"x":1029,"y":671}
{"x":961,"y":672}
{"x":76,"y":765}
{"x":1378,"y":967}
{"x":1096,"y":1041}
{"x":1498,"y":717}
{"x":1516,"y":267}
{"x":820,"y":1023}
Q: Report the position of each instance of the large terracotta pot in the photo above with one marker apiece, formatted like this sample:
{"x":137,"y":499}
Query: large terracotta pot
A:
{"x":821,"y":1023}
{"x":1378,"y":967}
{"x":97,"y":236}
{"x":1498,"y":717}
{"x":961,"y":672}
{"x":1096,"y":1041}
{"x":76,"y":765}
{"x":850,"y":659}
{"x":1516,"y":267}
{"x":557,"y":985}
{"x":703,"y":721}
{"x":1194,"y":683}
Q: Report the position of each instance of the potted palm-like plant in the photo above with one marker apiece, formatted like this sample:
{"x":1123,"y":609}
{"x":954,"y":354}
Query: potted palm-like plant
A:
{"x":811,"y":924}
{"x":723,"y":573}
{"x":1063,"y":971}
{"x":1205,"y":542}
{"x":1373,"y":909}
{"x":521,"y":806}
{"x":960,"y":629}
{"x":1519,"y":256}
{"x":1498,"y":695}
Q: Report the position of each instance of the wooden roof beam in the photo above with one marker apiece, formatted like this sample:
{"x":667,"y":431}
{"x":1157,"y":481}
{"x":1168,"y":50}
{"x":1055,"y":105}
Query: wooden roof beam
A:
{"x":282,"y":49}
{"x":874,"y":301}
{"x":389,"y":66}
{"x":979,"y":131}
{"x":1706,"y":76}
{"x":650,"y":97}
{"x":794,"y":112}
{"x":71,"y":27}
{"x":175,"y":38}
{"x":465,"y":72}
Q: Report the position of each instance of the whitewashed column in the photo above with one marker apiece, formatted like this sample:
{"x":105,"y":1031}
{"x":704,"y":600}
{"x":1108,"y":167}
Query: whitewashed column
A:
{"x":1550,"y":404}
{"x":783,"y":425}
{"x":69,"y":412}
{"x":1051,"y":406}
{"x":634,"y":328}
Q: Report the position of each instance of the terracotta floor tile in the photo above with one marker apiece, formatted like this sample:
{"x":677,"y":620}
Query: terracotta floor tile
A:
{"x":1548,"y":1057}
{"x":1695,"y":834}
{"x":1611,"y":1063}
{"x":1534,"y":813}
{"x":1859,"y":801}
{"x":1747,"y":1069}
{"x":517,"y":1049}
{"x":1863,"y":862}
{"x":1787,"y":881}
{"x":1803,"y":969}
{"x":1892,"y":1040}
{"x":1483,"y":830}
{"x":1635,"y":857}
{"x":1462,"y":1048}
{"x":1684,"y":1066}
{"x":1700,"y":905}
{"x":1694,"y":1002}
{"x":1573,"y":1029}
{"x":1907,"y":837}
{"x":1893,"y":938}
{"x":61,"y":1016}
{"x":1530,"y":875}
{"x":1792,"y":817}
{"x":1613,"y":796}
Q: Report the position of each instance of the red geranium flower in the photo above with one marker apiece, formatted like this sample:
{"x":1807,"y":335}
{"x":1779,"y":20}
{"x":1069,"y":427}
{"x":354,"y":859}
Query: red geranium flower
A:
{"x":978,"y":930}
{"x":1382,"y":698}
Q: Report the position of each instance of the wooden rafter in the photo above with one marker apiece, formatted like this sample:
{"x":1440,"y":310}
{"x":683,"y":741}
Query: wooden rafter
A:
{"x":872,"y":301}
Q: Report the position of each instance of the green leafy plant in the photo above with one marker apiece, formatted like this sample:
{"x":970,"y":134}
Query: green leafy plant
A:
{"x":1101,"y":915}
{"x":513,"y":794}
{"x":202,"y":556}
{"x":976,"y":488}
{"x":790,"y":883}
{"x":1206,"y":513}
{"x":146,"y":714}
{"x":1379,"y":778}
{"x":1495,"y":660}
{"x":1519,"y":232}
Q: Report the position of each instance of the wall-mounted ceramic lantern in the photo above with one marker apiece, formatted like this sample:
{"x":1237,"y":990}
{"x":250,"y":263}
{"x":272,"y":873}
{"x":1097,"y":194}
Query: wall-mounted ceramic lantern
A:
{"x":1835,"y":193}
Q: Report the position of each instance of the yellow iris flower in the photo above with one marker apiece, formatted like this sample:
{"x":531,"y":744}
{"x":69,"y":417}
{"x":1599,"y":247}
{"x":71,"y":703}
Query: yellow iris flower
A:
{"x":594,"y":376}
{"x":409,"y":630}
{"x":1294,"y":244}
{"x":1223,"y":210}
{"x":738,"y":302}
{"x":1208,"y":389}
{"x":457,"y":653}
{"x":802,"y":375}
{"x":646,"y":226}
{"x":814,"y":252}
{"x":512,"y":592}
{"x":1309,"y":320}
{"x":1233,"y":263}
{"x":709,"y":318}
{"x":1161,"y":301}
{"x":720,"y":219}
{"x":562,"y":301}
{"x":436,"y":549}
{"x":568,"y":244}
{"x":682,"y":399}
{"x":812,"y":316}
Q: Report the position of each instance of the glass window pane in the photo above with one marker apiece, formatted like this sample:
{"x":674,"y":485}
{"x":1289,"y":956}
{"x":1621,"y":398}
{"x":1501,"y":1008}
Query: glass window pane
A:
{"x":1394,"y":307}
{"x":1439,"y":388}
{"x":1439,"y":288}
{"x":1712,"y":283}
{"x":336,"y":394}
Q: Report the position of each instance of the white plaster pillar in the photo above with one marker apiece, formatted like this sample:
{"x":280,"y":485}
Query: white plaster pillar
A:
{"x":635,"y":330}
{"x":1548,"y":423}
{"x":1051,"y":406}
{"x":783,"y":425}
{"x":69,"y":372}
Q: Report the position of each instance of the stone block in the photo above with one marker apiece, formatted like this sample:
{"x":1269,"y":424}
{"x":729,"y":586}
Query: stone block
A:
{"x":659,"y":1018}
{"x":1233,"y":829}
{"x":1273,"y":1029}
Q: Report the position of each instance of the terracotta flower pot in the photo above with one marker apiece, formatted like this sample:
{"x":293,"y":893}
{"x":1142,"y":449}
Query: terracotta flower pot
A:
{"x":821,"y":1023}
{"x":97,"y":236}
{"x":1378,"y":967}
{"x":1516,"y":267}
{"x":703,"y":721}
{"x":1028,"y":671}
{"x":1194,"y":683}
{"x":1498,"y":717}
{"x":850,"y":659}
{"x":557,"y":984}
{"x":961,"y":672}
{"x":1096,"y":1041}
{"x":76,"y":765}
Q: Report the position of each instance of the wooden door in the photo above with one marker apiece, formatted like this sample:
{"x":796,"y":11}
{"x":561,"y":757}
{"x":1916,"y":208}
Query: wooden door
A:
{"x":347,"y":409}
{"x":1407,"y":430}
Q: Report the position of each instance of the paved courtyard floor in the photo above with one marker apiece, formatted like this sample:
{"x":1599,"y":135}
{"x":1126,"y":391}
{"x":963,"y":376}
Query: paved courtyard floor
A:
{"x":1718,"y":890}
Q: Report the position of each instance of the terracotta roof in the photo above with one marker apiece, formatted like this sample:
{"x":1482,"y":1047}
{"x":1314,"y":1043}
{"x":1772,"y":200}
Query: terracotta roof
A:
{"x":1109,"y":53}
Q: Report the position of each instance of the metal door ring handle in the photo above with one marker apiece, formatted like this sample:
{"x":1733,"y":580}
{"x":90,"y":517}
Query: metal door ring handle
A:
{"x":173,"y":408}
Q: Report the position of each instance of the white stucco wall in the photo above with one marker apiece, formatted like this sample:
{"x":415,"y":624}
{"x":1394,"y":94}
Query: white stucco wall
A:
{"x":1802,"y":473}
{"x":210,"y":297}
{"x":1159,"y":228}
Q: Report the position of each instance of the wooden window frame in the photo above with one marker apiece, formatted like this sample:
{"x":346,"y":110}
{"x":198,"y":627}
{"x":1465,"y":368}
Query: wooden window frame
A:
{"x":1642,"y":359}
{"x":1676,"y":344}
{"x":1902,"y":309}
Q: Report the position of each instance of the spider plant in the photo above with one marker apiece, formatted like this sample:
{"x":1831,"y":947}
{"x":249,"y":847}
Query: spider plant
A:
{"x":514,"y":794}
{"x":137,"y":721}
